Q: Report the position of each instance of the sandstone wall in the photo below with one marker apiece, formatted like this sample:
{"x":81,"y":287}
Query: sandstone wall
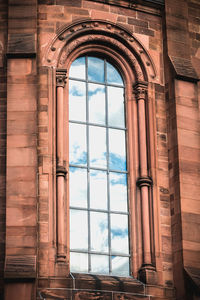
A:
{"x":168,"y":49}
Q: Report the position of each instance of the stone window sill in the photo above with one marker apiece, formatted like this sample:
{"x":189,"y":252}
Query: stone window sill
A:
{"x":106,"y":283}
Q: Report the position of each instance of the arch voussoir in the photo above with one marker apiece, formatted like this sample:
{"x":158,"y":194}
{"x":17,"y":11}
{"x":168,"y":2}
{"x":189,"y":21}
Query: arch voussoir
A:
{"x":100,"y":35}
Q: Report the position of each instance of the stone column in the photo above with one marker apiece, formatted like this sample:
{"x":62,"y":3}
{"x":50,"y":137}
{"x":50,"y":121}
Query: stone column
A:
{"x":60,"y":168}
{"x":144,"y":182}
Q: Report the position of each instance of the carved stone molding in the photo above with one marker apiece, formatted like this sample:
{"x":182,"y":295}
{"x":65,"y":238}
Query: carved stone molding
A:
{"x":61,"y":171}
{"x":61,"y":77}
{"x":100,"y":32}
{"x":144,"y":181}
{"x":140,"y":90}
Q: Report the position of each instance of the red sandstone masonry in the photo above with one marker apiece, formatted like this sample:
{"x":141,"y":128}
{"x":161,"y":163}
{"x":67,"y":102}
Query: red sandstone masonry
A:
{"x":112,"y":13}
{"x":3,"y":118}
{"x":174,"y":131}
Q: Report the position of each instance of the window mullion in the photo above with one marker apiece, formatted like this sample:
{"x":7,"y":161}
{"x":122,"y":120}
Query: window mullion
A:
{"x":88,"y":166}
{"x":108,"y":177}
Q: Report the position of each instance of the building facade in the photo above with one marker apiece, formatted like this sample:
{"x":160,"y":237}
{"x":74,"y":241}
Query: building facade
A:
{"x":100,"y":149}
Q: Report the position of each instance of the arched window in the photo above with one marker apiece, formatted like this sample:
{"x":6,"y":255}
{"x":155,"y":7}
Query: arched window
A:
{"x":99,"y":240}
{"x":92,"y":187}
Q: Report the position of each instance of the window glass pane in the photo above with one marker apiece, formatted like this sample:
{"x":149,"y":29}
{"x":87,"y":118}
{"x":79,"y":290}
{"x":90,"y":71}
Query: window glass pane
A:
{"x":95,"y":69}
{"x":120,"y":266}
{"x":117,"y":153}
{"x":78,"y":187}
{"x":98,"y":238}
{"x":98,"y":189}
{"x":113,"y":75}
{"x":77,"y":144}
{"x":116,"y":106}
{"x":118,"y":192}
{"x":99,"y":264}
{"x":99,"y":231}
{"x":78,"y":262}
{"x":79,"y":229}
{"x":96,"y":94}
{"x":97,"y":146}
{"x":77,"y":69}
{"x":77,"y":100}
{"x":119,"y":233}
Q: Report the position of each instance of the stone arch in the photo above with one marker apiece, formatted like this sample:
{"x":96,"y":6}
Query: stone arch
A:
{"x":104,"y":37}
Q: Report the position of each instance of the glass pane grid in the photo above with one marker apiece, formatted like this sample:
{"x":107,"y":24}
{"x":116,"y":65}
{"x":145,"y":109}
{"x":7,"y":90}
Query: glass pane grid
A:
{"x":102,"y":163}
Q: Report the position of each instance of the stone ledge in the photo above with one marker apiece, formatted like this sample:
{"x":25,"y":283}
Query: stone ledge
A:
{"x":94,"y":282}
{"x":183,"y":69}
{"x":108,"y":283}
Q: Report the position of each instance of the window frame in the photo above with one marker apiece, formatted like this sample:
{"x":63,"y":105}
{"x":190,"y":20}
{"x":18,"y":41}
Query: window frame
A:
{"x":106,"y":39}
{"x":89,"y":168}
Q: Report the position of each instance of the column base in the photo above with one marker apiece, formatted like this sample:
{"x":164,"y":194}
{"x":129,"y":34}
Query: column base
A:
{"x":147,"y":274}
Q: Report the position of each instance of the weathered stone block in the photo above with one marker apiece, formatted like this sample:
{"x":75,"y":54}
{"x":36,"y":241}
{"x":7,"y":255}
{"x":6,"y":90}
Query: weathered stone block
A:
{"x":23,"y":44}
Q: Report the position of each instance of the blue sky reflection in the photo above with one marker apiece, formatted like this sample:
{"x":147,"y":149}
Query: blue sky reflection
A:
{"x":95,"y":69}
{"x":119,"y":231}
{"x":113,"y":75}
{"x":118,"y":192}
{"x":77,"y":98}
{"x":77,"y":69}
{"x":96,"y":103}
{"x":77,"y":144}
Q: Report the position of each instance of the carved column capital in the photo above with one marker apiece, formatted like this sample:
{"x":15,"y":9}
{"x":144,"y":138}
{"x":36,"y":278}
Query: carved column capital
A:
{"x":61,"y":77}
{"x":140,"y":90}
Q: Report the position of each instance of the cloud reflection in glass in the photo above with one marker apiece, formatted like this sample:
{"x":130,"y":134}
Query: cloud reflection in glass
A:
{"x":96,"y":69}
{"x":77,"y":69}
{"x":97,"y":146}
{"x":118,"y":192}
{"x":98,"y":189}
{"x":96,"y":95}
{"x":77,"y":145}
{"x":113,"y":76}
{"x":98,"y":179}
{"x":77,"y":98}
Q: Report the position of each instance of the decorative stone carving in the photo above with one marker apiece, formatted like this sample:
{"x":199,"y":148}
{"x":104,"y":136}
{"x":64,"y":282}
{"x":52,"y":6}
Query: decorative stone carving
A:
{"x":140,"y":90}
{"x":144,"y":181}
{"x":61,"y":78}
{"x":68,"y":38}
{"x":61,"y":171}
{"x":110,"y":42}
